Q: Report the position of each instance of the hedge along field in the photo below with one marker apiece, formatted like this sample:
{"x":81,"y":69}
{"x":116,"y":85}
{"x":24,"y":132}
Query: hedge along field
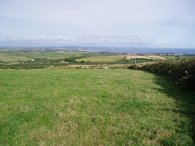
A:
{"x":92,"y":107}
{"x":182,"y":72}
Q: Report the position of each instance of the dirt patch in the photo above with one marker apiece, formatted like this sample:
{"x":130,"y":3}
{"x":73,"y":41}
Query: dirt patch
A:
{"x":155,"y":57}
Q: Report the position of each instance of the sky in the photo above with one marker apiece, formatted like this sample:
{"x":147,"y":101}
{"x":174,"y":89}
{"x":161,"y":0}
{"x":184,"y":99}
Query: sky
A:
{"x":141,"y":23}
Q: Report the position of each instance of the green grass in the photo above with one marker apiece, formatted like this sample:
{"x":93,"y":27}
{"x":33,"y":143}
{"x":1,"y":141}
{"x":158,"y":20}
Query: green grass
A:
{"x":25,"y":55}
{"x":40,"y":59}
{"x":172,"y":57}
{"x":29,"y":59}
{"x":5,"y":58}
{"x":50,"y":54}
{"x":92,"y":107}
{"x":12,"y":58}
{"x":99,"y":58}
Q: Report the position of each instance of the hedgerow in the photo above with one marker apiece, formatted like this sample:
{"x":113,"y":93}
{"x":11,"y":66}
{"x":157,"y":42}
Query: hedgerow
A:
{"x":182,"y":72}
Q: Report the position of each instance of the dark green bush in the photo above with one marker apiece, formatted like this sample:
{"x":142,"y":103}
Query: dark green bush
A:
{"x":182,"y":72}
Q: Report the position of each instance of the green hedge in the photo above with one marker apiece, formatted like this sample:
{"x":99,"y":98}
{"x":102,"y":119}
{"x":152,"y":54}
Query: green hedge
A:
{"x":182,"y":72}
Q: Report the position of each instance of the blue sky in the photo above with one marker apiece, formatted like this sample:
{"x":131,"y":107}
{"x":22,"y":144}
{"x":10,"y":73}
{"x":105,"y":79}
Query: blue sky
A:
{"x":149,"y":23}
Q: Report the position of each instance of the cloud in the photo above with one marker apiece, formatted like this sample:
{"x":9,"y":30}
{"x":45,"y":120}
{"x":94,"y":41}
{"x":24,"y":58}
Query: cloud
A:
{"x":93,"y":39}
{"x":139,"y":11}
{"x":163,"y":20}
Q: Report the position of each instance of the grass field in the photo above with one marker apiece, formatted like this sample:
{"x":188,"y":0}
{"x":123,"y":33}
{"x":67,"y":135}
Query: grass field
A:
{"x":13,"y":58}
{"x":118,"y":58}
{"x":40,"y":58}
{"x":92,"y":107}
{"x":24,"y":55}
{"x":99,"y":59}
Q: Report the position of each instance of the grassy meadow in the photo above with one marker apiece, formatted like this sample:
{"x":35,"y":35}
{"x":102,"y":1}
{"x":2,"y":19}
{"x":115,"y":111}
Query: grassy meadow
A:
{"x":92,"y":107}
{"x":40,"y":58}
{"x":100,"y":58}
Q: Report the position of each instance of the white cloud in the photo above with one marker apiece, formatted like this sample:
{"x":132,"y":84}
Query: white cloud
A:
{"x":94,"y":38}
{"x":163,"y":20}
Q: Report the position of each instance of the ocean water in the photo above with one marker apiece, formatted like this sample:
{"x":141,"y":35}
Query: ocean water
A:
{"x":190,"y":51}
{"x":138,"y":50}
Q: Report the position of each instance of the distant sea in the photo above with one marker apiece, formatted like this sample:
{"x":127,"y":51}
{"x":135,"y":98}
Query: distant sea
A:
{"x":135,"y":50}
